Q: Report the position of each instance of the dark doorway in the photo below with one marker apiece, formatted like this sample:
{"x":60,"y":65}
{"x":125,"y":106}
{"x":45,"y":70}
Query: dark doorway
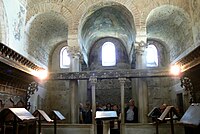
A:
{"x":180,"y":103}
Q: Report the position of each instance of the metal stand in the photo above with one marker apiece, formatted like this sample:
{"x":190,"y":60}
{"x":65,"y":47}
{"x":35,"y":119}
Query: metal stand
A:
{"x":171,"y":122}
{"x":55,"y":124}
{"x":39,"y":125}
{"x":57,"y":116}
{"x":15,"y":126}
{"x":157,"y":126}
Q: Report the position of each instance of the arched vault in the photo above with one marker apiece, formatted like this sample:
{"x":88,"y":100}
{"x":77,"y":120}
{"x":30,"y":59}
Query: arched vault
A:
{"x":169,"y":24}
{"x":107,"y":20}
{"x":45,"y":31}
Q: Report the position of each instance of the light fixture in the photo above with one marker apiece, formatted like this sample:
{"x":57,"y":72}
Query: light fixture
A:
{"x":41,"y":74}
{"x":175,"y":70}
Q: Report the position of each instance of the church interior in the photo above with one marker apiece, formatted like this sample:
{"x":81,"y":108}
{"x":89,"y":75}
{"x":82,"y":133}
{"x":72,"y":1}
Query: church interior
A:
{"x":70,"y":56}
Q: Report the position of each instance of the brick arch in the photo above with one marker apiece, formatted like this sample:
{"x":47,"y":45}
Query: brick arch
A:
{"x":82,"y":8}
{"x":140,"y":12}
{"x":3,"y":24}
{"x":47,"y":7}
{"x":156,"y":3}
{"x":53,"y":24}
{"x":170,"y":24}
{"x":136,"y":13}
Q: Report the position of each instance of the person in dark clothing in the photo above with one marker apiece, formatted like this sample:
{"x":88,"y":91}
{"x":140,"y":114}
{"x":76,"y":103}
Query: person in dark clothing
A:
{"x":108,"y":107}
{"x":115,"y":124}
{"x":99,"y":122}
{"x":131,"y":113}
{"x":87,"y":114}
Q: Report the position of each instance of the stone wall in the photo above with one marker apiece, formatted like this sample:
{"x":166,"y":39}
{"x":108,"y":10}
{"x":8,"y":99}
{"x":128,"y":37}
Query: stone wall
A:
{"x":38,"y":99}
{"x":58,"y":92}
{"x":150,"y":129}
{"x":129,"y":129}
{"x":195,"y":13}
{"x":68,"y":129}
{"x":58,"y":98}
{"x":3,"y":25}
{"x":158,"y":92}
{"x":95,"y":56}
{"x":108,"y":91}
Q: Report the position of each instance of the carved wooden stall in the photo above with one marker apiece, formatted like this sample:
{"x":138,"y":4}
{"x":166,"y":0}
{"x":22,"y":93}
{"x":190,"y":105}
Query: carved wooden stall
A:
{"x":17,"y":121}
{"x":15,"y":77}
{"x":191,"y":119}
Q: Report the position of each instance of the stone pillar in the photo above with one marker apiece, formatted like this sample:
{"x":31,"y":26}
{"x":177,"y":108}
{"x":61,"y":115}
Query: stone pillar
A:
{"x":93,"y":81}
{"x":106,"y":127}
{"x":82,"y":91}
{"x":122,"y":81}
{"x":143,"y":100}
{"x":83,"y":86}
{"x":141,"y":84}
{"x":73,"y":85}
{"x":75,"y":62}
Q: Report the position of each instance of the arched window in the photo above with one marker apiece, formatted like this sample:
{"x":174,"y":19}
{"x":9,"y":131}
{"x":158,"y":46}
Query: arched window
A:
{"x":64,"y":58}
{"x":152,"y":56}
{"x":108,"y":54}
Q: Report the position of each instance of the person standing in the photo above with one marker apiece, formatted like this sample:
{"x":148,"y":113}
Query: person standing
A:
{"x":87,"y":114}
{"x":131,"y":112}
{"x":108,"y":107}
{"x":115,"y":124}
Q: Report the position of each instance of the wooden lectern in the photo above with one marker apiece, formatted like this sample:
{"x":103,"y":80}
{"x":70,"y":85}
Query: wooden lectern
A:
{"x":155,"y":113}
{"x":106,"y":117}
{"x":169,"y":114}
{"x":41,"y":116}
{"x":57,"y":116}
{"x":17,"y":117}
{"x":191,"y":119}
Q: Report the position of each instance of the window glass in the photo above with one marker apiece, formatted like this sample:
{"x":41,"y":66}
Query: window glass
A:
{"x":152,"y":56}
{"x":108,"y":54}
{"x":64,"y":58}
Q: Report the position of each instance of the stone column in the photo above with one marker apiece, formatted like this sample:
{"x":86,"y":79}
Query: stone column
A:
{"x":83,"y":86}
{"x":143,"y":100}
{"x":73,"y":85}
{"x":141,"y":84}
{"x":106,"y":127}
{"x":75,"y":61}
{"x":93,"y":81}
{"x":122,"y":81}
